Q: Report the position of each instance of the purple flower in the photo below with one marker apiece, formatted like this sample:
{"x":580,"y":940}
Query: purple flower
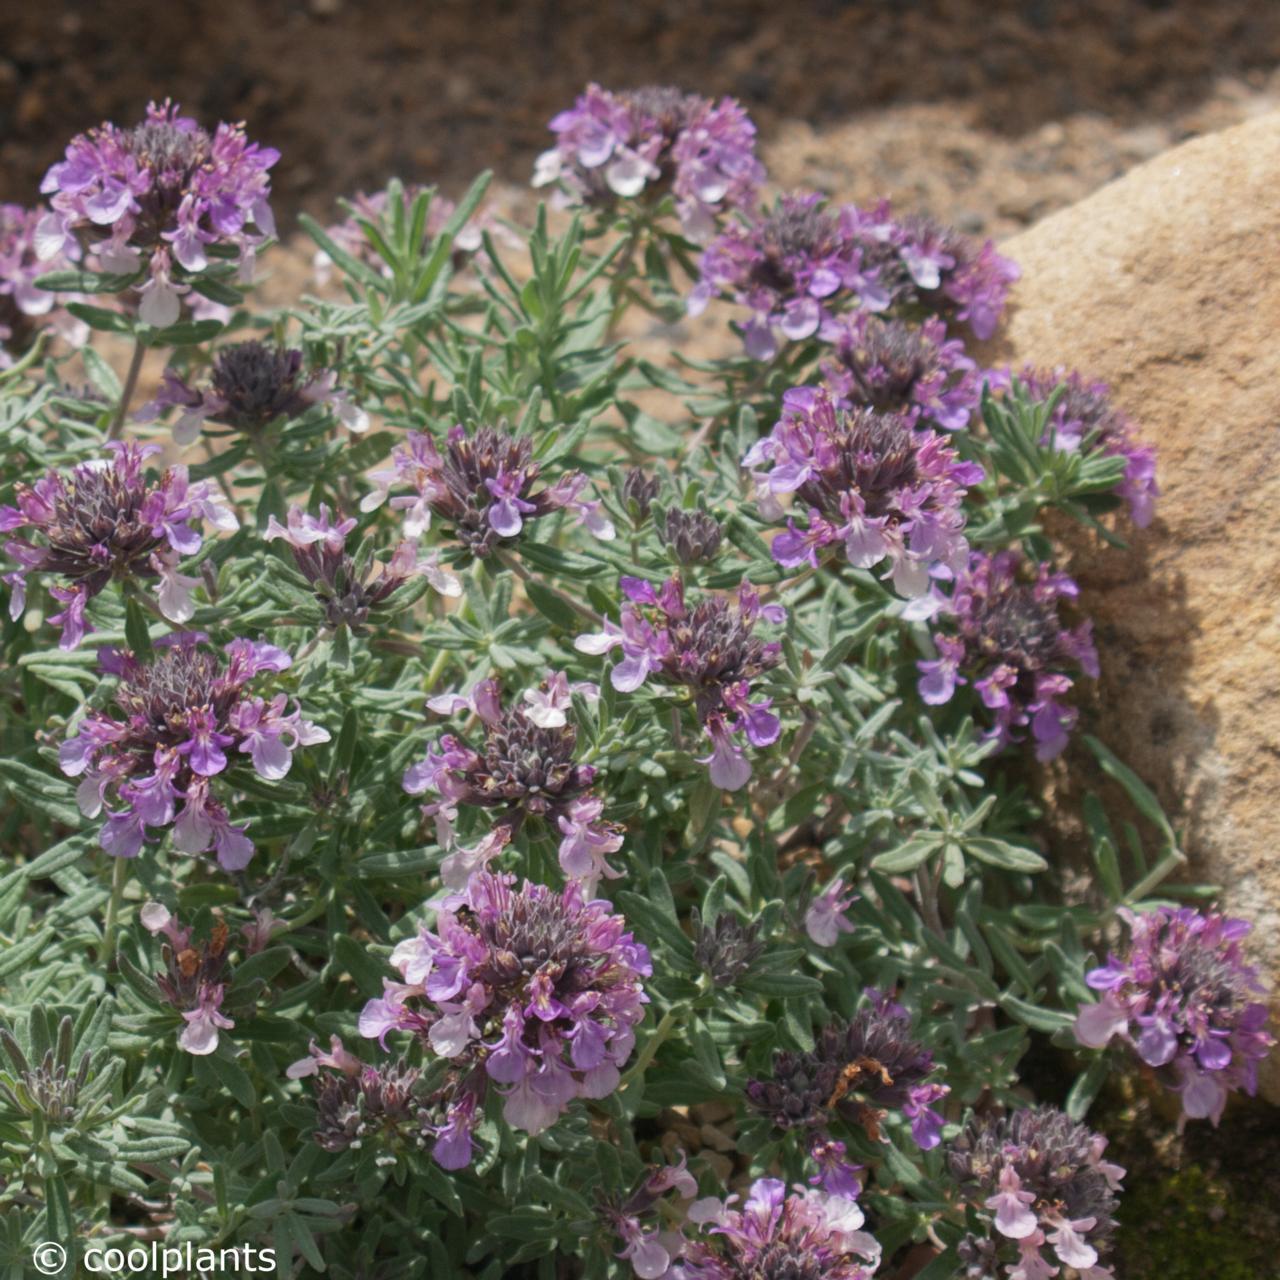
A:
{"x":709,"y":649}
{"x":870,"y":482}
{"x":346,"y":591}
{"x":1008,"y":639}
{"x":824,"y":920}
{"x":1183,"y":997}
{"x":837,"y":1174}
{"x":252,"y":385}
{"x":103,"y":520}
{"x":186,"y":716}
{"x":524,"y":768}
{"x":532,"y":990}
{"x":649,"y":1251}
{"x":195,"y":979}
{"x":915,"y":371}
{"x":1041,"y":1182}
{"x":162,"y":193}
{"x":808,"y":1233}
{"x":483,"y":484}
{"x":1085,"y":418}
{"x":857,"y":1071}
{"x":652,"y":141}
{"x":25,"y":308}
{"x":793,"y":268}
{"x":548,"y":704}
{"x":921,"y":265}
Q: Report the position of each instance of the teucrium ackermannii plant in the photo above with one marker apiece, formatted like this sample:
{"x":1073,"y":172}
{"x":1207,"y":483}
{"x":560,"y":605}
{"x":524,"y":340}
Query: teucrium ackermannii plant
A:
{"x":612,"y":733}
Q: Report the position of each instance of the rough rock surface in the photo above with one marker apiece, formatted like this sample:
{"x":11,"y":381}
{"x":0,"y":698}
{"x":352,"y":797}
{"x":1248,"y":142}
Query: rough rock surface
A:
{"x":1167,"y":285}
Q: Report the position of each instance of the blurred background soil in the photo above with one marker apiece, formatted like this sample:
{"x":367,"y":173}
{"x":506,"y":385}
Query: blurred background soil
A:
{"x":988,"y":114}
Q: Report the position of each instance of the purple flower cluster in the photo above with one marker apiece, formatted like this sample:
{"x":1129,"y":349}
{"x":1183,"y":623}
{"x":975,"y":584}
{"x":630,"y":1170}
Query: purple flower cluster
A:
{"x":807,"y":1235}
{"x":923,"y":265}
{"x":183,"y":711}
{"x":195,"y":979}
{"x":105,"y":520}
{"x":1008,"y":636}
{"x":1085,"y":418}
{"x":869,"y":481}
{"x":525,"y":988}
{"x":357,"y":1103}
{"x":618,"y":144}
{"x":792,"y":268}
{"x":795,"y":267}
{"x":1184,"y":998}
{"x":252,"y":385}
{"x":709,"y":648}
{"x":524,"y":768}
{"x":1042,"y":1180}
{"x":858,"y":1071}
{"x":349,"y":591}
{"x":484,"y":485}
{"x":915,"y":371}
{"x":23,"y":306}
{"x":160,"y":193}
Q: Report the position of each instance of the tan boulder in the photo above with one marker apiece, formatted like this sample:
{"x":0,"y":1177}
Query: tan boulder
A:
{"x":1166,"y":284}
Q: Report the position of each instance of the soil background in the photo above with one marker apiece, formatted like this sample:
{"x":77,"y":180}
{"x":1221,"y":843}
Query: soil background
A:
{"x":987,"y":114}
{"x":990,"y":113}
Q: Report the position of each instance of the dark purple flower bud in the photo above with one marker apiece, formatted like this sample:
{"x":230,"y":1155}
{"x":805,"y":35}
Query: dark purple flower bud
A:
{"x":346,"y":591}
{"x":693,"y":537}
{"x":650,"y":141}
{"x":871,"y":483}
{"x":383,"y":1106}
{"x":485,"y":485}
{"x":105,"y":520}
{"x":711,"y":650}
{"x":1042,"y":1181}
{"x":914,"y":371}
{"x":639,"y":489}
{"x":807,"y":1235}
{"x":186,"y":718}
{"x":727,"y":949}
{"x":858,"y":1071}
{"x":161,"y":192}
{"x":1007,"y":637}
{"x":1184,"y":998}
{"x":1085,"y":418}
{"x":252,"y":385}
{"x":529,"y":989}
